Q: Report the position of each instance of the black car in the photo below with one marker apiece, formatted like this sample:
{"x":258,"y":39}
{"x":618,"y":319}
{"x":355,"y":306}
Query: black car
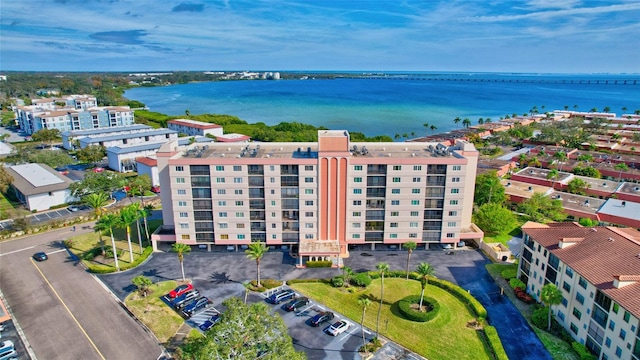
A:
{"x":296,"y":303}
{"x":196,"y":305}
{"x":210,"y":322}
{"x":320,"y":318}
{"x":40,"y":256}
{"x":281,"y":296}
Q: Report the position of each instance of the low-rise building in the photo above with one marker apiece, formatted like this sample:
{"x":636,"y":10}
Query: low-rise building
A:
{"x":138,"y":137}
{"x":233,"y":138}
{"x":39,"y":187}
{"x":194,"y":128}
{"x":71,"y":139}
{"x":597,"y":270}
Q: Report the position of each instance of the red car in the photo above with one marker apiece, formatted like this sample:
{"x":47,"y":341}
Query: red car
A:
{"x":98,"y":170}
{"x":155,"y":189}
{"x":180,"y":290}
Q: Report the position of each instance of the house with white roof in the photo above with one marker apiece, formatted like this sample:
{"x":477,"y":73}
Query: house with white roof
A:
{"x":194,"y":128}
{"x":39,"y":187}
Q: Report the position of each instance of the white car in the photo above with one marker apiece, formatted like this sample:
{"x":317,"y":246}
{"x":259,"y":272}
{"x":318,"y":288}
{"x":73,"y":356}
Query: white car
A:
{"x":337,"y":328}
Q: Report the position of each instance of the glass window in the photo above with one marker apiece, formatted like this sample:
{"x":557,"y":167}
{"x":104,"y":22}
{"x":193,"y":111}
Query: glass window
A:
{"x":618,"y":351}
{"x":453,"y":213}
{"x":455,"y":191}
{"x":416,"y":179}
{"x":220,"y":180}
{"x":415,"y":202}
{"x":616,"y":307}
{"x":450,"y":235}
{"x":566,"y":286}
{"x":239,"y":203}
{"x":417,"y":167}
{"x":453,"y":202}
{"x":222,"y":214}
{"x":308,"y":191}
{"x":626,"y":316}
{"x":395,"y":202}
{"x":357,"y":179}
{"x":308,"y":167}
{"x":357,"y":191}
{"x":451,"y":224}
{"x":222,"y":191}
{"x":457,"y":167}
{"x":219,"y":168}
{"x":237,"y":192}
{"x":184,"y":214}
{"x":223,"y":225}
{"x":580,"y":298}
{"x":356,"y":225}
{"x":393,"y":224}
{"x":240,"y":236}
{"x":357,"y":213}
{"x":574,"y":328}
{"x":308,"y":179}
{"x":623,"y":334}
{"x":568,"y":271}
{"x":186,"y":237}
{"x":237,"y":168}
{"x":179,"y":168}
{"x":396,"y":180}
{"x":607,"y":342}
{"x":182,"y":203}
{"x":395,"y":191}
{"x":413,"y":235}
{"x":415,"y":213}
{"x":222,"y":203}
{"x":415,"y":191}
{"x":357,"y":167}
{"x":308,"y":202}
{"x":455,"y":179}
{"x":413,"y":224}
{"x":582,"y":282}
{"x":393,"y":236}
{"x":182,"y":192}
{"x":397,"y":167}
{"x":180,"y":180}
{"x":395,"y":213}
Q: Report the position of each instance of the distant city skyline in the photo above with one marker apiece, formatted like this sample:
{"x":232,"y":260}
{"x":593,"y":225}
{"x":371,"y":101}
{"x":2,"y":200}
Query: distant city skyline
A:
{"x":535,"y":36}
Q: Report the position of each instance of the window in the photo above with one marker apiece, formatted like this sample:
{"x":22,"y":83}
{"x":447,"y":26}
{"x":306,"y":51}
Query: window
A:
{"x":415,"y":213}
{"x":273,"y":203}
{"x":240,"y":236}
{"x":453,"y":213}
{"x":356,"y":236}
{"x":308,"y":191}
{"x":237,"y":192}
{"x":623,"y":334}
{"x":415,"y":191}
{"x":574,"y":328}
{"x":397,"y":167}
{"x":357,"y":213}
{"x":395,"y":213}
{"x":219,"y":168}
{"x":182,"y":192}
{"x":396,"y":180}
{"x":306,"y":236}
{"x":582,"y":282}
{"x":358,"y":179}
{"x":356,"y":225}
{"x":393,"y":236}
{"x":308,"y":225}
{"x":357,"y":168}
{"x":455,"y":191}
{"x":580,"y":298}
{"x":222,"y":192}
{"x":450,"y":235}
{"x":393,"y":224}
{"x":186,"y":237}
{"x":357,"y":191}
{"x":237,"y":168}
{"x":222,"y":214}
{"x":309,"y":203}
{"x":223,"y":225}
{"x":184,"y":226}
{"x":239,"y":203}
{"x":184,"y":214}
{"x":308,"y":167}
{"x":451,"y":224}
{"x":618,"y":351}
{"x":413,"y":224}
{"x":182,"y":203}
{"x":220,"y":180}
{"x":453,"y":202}
{"x":565,"y":285}
{"x":179,"y":168}
{"x":568,"y":271}
{"x":616,"y":307}
{"x":455,"y":179}
{"x":413,"y":235}
{"x":239,"y":214}
{"x":222,"y":203}
{"x":180,"y":180}
{"x":395,"y":191}
{"x":456,"y":167}
{"x":308,"y":179}
{"x":626,"y":316}
{"x":415,"y":202}
{"x":564,"y":302}
{"x":308,"y":213}
{"x":417,"y":167}
{"x":607,"y":342}
{"x":416,"y":179}
{"x":395,"y":202}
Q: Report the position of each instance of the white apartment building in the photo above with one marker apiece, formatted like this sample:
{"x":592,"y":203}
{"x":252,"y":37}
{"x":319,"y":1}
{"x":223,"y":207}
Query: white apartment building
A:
{"x":71,"y":139}
{"x":320,"y":198}
{"x":39,"y":187}
{"x":194,"y":128}
{"x":598,"y":272}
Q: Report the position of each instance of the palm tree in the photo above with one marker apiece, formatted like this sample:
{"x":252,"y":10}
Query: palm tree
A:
{"x":410,"y":246}
{"x":433,"y":128}
{"x":457,"y":120}
{"x":97,"y":201}
{"x":364,"y":302}
{"x":108,"y":222}
{"x":146,"y":212}
{"x":382,"y":268}
{"x":553,"y":175}
{"x":425,"y":271}
{"x":624,"y":109}
{"x":127,"y":216}
{"x":255,"y":252}
{"x":487,"y":121}
{"x":181,"y":249}
{"x":347,"y":273}
{"x":426,"y":128}
{"x":561,"y":156}
{"x":480,"y":121}
{"x":466,"y":122}
{"x":550,"y":295}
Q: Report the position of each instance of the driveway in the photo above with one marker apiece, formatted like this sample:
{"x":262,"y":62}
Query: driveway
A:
{"x":465,"y":268}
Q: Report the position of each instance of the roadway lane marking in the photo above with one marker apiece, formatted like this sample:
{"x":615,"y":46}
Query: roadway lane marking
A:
{"x":15,"y":251}
{"x":57,"y":251}
{"x":68,"y":310}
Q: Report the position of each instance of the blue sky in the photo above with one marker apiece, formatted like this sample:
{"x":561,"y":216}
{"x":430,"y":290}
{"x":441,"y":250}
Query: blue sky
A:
{"x":557,"y":36}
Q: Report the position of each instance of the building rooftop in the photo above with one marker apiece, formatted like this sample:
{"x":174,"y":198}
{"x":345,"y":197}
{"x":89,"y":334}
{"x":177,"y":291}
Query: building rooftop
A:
{"x":579,"y":203}
{"x":31,"y":179}
{"x":194,"y":124}
{"x":591,"y":253}
{"x":629,"y":188}
{"x":599,"y":184}
{"x":543,"y":174}
{"x":522,"y":189}
{"x":128,"y":149}
{"x":621,"y":208}
{"x":115,"y":129}
{"x":132,"y":135}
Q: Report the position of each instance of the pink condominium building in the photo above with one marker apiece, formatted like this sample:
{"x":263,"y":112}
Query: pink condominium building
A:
{"x":320,"y":198}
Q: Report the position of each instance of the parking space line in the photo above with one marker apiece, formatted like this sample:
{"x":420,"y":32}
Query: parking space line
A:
{"x":68,"y":310}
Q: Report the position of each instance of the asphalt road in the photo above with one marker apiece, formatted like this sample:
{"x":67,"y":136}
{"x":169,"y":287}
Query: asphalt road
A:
{"x":64,"y":311}
{"x":465,"y":268}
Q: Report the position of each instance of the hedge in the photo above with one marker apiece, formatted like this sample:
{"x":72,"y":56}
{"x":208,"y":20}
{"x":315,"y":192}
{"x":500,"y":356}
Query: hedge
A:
{"x":509,"y":274}
{"x":111,"y":269}
{"x":410,"y":314}
{"x":582,"y":351}
{"x":489,"y":336}
{"x":318,"y":264}
{"x":361,"y":279}
{"x":337,"y":281}
{"x":474,"y":305}
{"x":515,"y":283}
{"x":298,"y":281}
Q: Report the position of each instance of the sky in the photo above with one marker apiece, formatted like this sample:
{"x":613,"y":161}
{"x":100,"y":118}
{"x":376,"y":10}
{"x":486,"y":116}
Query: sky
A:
{"x":539,"y":36}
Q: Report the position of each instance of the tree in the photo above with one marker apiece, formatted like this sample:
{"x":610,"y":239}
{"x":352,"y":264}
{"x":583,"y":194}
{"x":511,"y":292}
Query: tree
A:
{"x":364,"y":302}
{"x":244,"y":332}
{"x":561,"y":156}
{"x":97,"y":201}
{"x":46,"y":135}
{"x":606,"y":109}
{"x":433,"y":128}
{"x":136,"y":209}
{"x":107,"y":181}
{"x":553,"y":176}
{"x":108,"y":222}
{"x":147,"y":210}
{"x":621,"y":167}
{"x":480,"y":121}
{"x":489,"y":189}
{"x":181,"y":249}
{"x":127,"y":216}
{"x":347,"y":273}
{"x":383,"y":268}
{"x":142,"y":283}
{"x":91,"y":154}
{"x":587,"y":171}
{"x":466,"y":122}
{"x":426,"y":127}
{"x":494,"y":218}
{"x":541,"y":208}
{"x":410,"y":246}
{"x":5,"y":179}
{"x":255,"y":252}
{"x":425,"y":271}
{"x":457,"y":120}
{"x":577,"y":186}
{"x":550,"y":295}
{"x":140,"y":184}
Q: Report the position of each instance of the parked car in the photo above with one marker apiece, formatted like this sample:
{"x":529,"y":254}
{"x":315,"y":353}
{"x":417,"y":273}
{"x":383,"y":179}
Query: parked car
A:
{"x":180,"y":290}
{"x":296,"y":303}
{"x":320,"y":318}
{"x":196,"y":305}
{"x":11,"y":354}
{"x":210,"y":322}
{"x":337,"y":328}
{"x":40,"y":256}
{"x":281,"y":296}
{"x":155,"y":189}
{"x":98,"y":170}
{"x":74,"y":208}
{"x":185,"y":298}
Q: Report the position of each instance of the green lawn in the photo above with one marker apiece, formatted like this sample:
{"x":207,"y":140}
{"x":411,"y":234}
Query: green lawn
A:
{"x":161,"y":319}
{"x":7,"y":207}
{"x":559,"y":349}
{"x":444,"y":337}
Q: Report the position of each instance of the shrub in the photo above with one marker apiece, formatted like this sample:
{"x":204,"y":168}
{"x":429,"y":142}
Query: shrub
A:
{"x":101,"y":269}
{"x":91,"y":254}
{"x":414,"y":315}
{"x":540,"y":317}
{"x":298,"y":281}
{"x":270,"y":283}
{"x":361,"y":279}
{"x":509,"y":274}
{"x":462,"y":295}
{"x":337,"y":281}
{"x":318,"y":264}
{"x":517,"y":283}
{"x":582,"y":351}
{"x":489,"y":335}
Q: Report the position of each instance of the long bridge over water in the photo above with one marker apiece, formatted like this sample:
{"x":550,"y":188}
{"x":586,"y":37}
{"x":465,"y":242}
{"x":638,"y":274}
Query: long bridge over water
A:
{"x":541,"y":80}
